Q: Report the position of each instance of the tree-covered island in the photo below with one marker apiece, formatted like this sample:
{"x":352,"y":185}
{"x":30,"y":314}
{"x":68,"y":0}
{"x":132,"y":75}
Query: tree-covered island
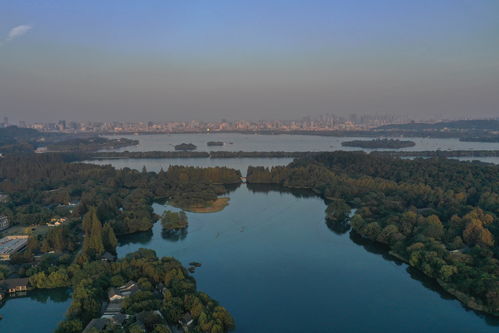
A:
{"x":198,"y":201}
{"x":186,"y":146}
{"x":215,"y":143}
{"x":173,"y":221}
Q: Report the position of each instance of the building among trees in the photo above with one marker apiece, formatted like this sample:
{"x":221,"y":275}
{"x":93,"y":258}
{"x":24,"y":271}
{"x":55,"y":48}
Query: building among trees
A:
{"x":11,"y":245}
{"x":4,"y":222}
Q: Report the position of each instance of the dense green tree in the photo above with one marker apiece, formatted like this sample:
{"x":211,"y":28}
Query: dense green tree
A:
{"x":431,"y":227}
{"x":93,"y":242}
{"x":109,"y":239}
{"x":338,"y":210}
{"x":174,"y":221}
{"x":70,"y":326}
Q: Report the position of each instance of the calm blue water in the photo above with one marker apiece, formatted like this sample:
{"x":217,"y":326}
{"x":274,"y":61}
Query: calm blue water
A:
{"x":39,"y":312}
{"x":251,"y":142}
{"x":284,"y":142}
{"x":271,"y":259}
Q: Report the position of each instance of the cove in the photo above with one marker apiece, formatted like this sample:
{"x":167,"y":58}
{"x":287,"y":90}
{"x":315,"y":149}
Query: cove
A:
{"x":274,"y":262}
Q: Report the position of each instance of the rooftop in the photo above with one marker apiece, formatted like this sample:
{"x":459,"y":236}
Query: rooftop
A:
{"x":12,"y":283}
{"x":12,"y":244}
{"x":98,"y":324}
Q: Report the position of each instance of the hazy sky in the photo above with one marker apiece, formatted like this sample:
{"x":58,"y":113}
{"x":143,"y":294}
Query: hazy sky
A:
{"x":237,"y":59}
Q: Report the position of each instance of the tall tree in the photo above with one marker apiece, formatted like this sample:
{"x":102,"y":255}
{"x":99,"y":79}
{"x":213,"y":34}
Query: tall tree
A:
{"x":93,"y":244}
{"x":88,"y":218}
{"x":109,"y":238}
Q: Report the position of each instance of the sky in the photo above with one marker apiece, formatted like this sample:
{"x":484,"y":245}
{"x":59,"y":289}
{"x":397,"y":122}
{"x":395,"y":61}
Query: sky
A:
{"x":170,"y":60}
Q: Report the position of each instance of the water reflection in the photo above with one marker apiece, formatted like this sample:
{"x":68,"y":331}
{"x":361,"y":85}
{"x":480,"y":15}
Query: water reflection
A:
{"x":58,"y":295}
{"x":137,"y":238}
{"x":267,"y":188}
{"x":338,"y":227}
{"x":39,"y":311}
{"x":231,"y":188}
{"x":174,"y":235}
{"x":415,"y":274}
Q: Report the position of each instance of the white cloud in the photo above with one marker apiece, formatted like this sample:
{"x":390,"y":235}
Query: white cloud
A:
{"x":18,"y":31}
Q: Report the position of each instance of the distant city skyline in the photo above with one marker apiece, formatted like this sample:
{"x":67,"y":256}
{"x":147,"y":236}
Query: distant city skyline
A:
{"x":274,"y":59}
{"x":356,"y":118}
{"x":328,"y":122}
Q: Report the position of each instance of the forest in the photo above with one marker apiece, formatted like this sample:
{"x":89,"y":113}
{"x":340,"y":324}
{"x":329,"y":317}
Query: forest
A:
{"x":101,"y":203}
{"x":164,"y":286}
{"x":438,"y":215}
{"x":42,"y":185}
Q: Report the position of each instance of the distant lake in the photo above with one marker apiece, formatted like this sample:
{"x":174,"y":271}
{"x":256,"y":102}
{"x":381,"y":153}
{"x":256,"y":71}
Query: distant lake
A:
{"x":284,"y":142}
{"x":274,"y":262}
{"x":255,"y":142}
{"x":39,"y":312}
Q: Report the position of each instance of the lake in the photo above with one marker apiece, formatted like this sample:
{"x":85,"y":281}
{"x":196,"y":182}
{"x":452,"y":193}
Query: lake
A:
{"x":284,"y":142}
{"x":254,"y":142}
{"x":39,"y":312}
{"x":273,"y":261}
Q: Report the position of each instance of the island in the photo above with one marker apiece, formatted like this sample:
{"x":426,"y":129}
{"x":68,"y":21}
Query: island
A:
{"x":215,"y":143}
{"x":379,"y":143}
{"x":172,"y":221}
{"x":214,"y":206}
{"x":185,"y":146}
